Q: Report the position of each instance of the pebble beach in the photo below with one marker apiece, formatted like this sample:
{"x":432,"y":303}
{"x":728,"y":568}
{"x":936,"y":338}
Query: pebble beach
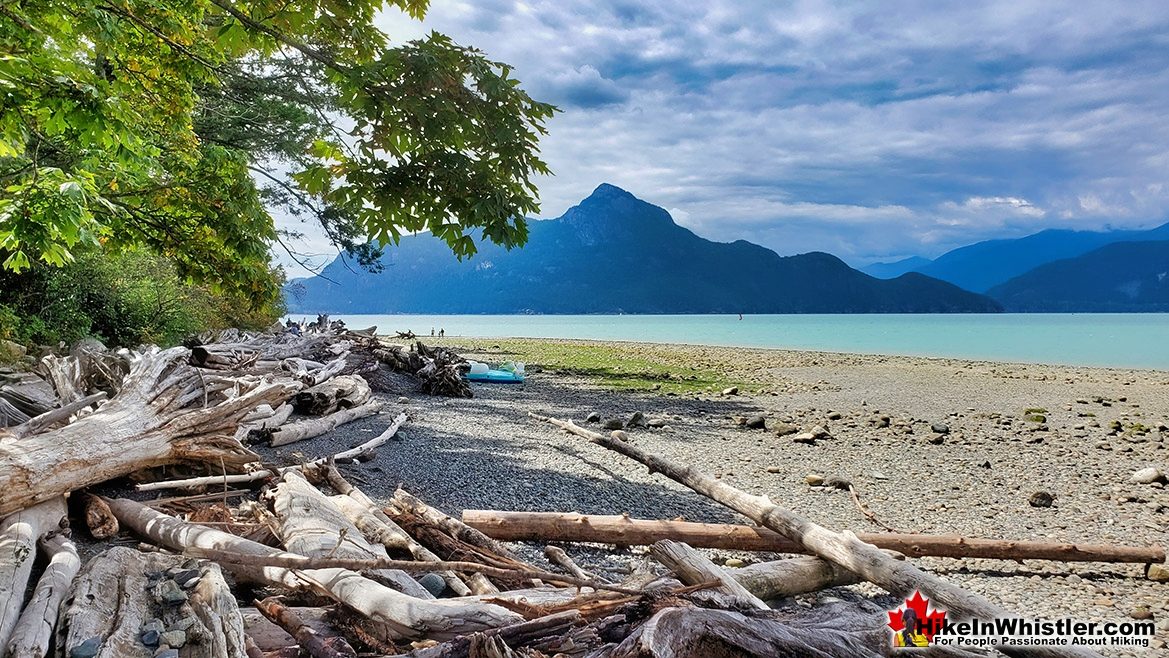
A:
{"x":939,"y":446}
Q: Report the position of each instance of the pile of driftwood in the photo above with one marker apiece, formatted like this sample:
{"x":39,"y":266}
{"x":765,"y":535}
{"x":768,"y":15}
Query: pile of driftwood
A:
{"x":299,"y":561}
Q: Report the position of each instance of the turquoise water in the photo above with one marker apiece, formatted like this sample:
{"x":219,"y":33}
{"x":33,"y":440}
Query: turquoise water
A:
{"x":1119,"y":340}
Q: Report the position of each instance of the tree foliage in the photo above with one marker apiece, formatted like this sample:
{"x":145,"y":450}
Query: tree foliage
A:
{"x":148,"y":122}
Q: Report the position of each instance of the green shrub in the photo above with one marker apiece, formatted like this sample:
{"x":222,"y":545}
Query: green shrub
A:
{"x":124,"y":299}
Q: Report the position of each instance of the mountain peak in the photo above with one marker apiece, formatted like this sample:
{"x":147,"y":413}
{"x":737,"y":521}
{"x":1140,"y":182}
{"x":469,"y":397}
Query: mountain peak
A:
{"x":611,"y":213}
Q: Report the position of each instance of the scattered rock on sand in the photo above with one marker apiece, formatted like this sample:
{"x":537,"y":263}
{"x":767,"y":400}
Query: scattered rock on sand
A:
{"x":1141,"y":612}
{"x":835,"y":415}
{"x":1147,"y":475}
{"x":734,"y":563}
{"x":614,"y":424}
{"x":783,"y":429}
{"x":813,"y":480}
{"x":620,"y":435}
{"x":1041,"y":499}
{"x":757,"y":422}
{"x":882,"y":421}
{"x":734,"y":390}
{"x":774,"y":469}
{"x":594,"y":417}
{"x":1159,"y":573}
{"x":940,"y":428}
{"x":656,"y":422}
{"x":813,"y":435}
{"x":636,"y":420}
{"x":937,"y":439}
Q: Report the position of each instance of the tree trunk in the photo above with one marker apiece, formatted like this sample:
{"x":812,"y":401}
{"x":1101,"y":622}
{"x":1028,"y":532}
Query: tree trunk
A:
{"x":19,"y":534}
{"x":165,"y":413}
{"x":343,"y":392}
{"x":406,"y":616}
{"x":782,"y":578}
{"x":694,"y":568}
{"x":113,"y":597}
{"x":624,"y":531}
{"x":844,"y":549}
{"x":313,"y":427}
{"x":34,"y":629}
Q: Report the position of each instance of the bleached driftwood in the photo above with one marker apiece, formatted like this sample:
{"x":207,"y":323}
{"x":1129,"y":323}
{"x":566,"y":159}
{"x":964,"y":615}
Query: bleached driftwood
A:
{"x":113,"y":597}
{"x":262,"y":473}
{"x":34,"y":629}
{"x":314,"y":427}
{"x":901,"y":578}
{"x":405,"y":616}
{"x":340,"y":392}
{"x":162,"y":415}
{"x":311,"y":525}
{"x":377,"y":527}
{"x":19,"y":533}
{"x":694,"y":568}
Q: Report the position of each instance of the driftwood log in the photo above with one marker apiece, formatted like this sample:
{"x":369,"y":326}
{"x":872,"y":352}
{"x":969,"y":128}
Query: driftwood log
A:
{"x":19,"y":534}
{"x":316,"y":644}
{"x":311,"y":525}
{"x":261,"y":473}
{"x":313,"y":427}
{"x":341,"y":392}
{"x":377,"y":527}
{"x":624,"y":531}
{"x":844,"y":549}
{"x":694,"y":568}
{"x":113,"y":597}
{"x":166,"y":412}
{"x":406,"y":616}
{"x":33,"y":632}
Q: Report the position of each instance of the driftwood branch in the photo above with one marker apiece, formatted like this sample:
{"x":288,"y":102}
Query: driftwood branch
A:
{"x":309,"y":640}
{"x":264,"y":473}
{"x":625,"y":531}
{"x":844,"y":549}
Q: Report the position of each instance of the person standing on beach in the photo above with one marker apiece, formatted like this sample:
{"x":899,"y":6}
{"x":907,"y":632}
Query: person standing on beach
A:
{"x":432,"y":332}
{"x":441,"y":333}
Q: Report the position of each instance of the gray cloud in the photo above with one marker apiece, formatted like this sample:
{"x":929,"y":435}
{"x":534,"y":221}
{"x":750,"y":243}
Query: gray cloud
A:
{"x":866,"y":129}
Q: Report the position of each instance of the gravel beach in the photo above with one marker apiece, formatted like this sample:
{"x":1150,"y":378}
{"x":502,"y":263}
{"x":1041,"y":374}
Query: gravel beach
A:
{"x":933,"y":445}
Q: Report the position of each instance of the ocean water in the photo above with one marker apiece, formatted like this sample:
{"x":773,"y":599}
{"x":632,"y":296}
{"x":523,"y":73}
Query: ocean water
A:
{"x":1117,"y":340}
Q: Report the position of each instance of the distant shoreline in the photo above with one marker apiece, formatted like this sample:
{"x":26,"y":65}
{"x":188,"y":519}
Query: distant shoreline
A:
{"x":1131,"y":341}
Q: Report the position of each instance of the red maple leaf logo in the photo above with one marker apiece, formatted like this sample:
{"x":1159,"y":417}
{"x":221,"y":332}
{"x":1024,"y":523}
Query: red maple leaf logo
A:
{"x":926,"y":621}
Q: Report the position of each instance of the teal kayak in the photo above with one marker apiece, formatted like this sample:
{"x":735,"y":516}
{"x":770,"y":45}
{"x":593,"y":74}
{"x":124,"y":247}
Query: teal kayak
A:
{"x":496,"y":377}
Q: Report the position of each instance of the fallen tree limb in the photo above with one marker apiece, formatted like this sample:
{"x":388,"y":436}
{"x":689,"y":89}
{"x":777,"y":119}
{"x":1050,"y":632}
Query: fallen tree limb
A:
{"x":406,"y":616}
{"x":159,"y":417}
{"x":405,"y":501}
{"x":34,"y":629}
{"x":557,"y":556}
{"x":515,"y":635}
{"x":377,"y":527}
{"x":783,"y":578}
{"x":314,"y":427}
{"x":19,"y":534}
{"x":341,"y":392}
{"x":264,"y":473}
{"x":310,"y":524}
{"x":316,"y":645}
{"x":694,"y":568}
{"x":866,"y":560}
{"x":53,"y":416}
{"x":622,"y":530}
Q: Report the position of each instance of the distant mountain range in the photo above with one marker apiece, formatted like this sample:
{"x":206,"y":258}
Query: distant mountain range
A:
{"x":1056,"y":271}
{"x":984,"y":265}
{"x":1116,"y":278}
{"x":614,"y":253}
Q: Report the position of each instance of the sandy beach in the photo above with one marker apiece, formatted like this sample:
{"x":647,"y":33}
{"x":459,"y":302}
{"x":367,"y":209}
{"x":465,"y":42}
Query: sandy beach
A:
{"x":932,"y":445}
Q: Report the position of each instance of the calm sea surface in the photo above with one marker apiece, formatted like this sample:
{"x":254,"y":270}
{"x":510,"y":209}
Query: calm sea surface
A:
{"x":1120,"y":340}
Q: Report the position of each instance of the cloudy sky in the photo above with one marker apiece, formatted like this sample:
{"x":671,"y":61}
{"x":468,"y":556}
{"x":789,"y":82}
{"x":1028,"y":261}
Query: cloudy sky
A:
{"x":870,"y":130}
